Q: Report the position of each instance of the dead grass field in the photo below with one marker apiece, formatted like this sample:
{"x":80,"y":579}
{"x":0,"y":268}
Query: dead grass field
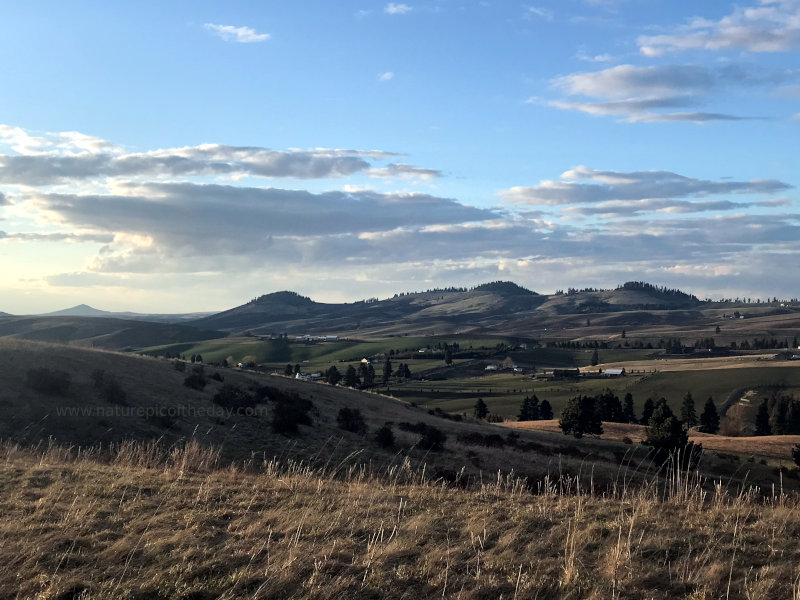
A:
{"x":144,"y":525}
{"x":775,"y":446}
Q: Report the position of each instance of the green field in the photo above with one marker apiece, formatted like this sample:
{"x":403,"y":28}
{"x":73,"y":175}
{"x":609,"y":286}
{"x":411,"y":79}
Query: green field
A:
{"x":280,"y":352}
{"x":504,"y":393}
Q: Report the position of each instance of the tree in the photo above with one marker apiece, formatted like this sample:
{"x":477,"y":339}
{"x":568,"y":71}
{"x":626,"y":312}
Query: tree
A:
{"x":628,"y":411}
{"x":688,"y":413}
{"x":647,"y":411}
{"x":580,"y":417}
{"x":545,"y":410}
{"x":406,"y":372}
{"x":709,"y":420}
{"x":387,"y":370}
{"x":530,"y":409}
{"x":297,"y":368}
{"x":666,"y":435}
{"x":351,"y":377}
{"x":595,"y":358}
{"x":288,"y":371}
{"x":796,"y":454}
{"x":609,"y":408}
{"x":481,"y":410}
{"x":762,"y":420}
{"x":333,"y":376}
{"x":448,"y":356}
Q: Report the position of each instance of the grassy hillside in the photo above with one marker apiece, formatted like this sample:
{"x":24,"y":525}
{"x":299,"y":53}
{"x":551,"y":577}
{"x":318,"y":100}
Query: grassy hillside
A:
{"x":114,"y":334}
{"x":144,"y":524}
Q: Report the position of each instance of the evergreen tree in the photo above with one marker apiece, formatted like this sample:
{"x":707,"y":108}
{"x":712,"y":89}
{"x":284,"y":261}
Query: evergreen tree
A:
{"x":762,"y":420}
{"x":580,"y":417}
{"x":665,"y":433}
{"x":628,"y":411}
{"x":351,"y":377}
{"x":545,"y":410}
{"x":288,"y":371}
{"x":448,"y":356}
{"x":647,"y":411}
{"x":595,"y":358}
{"x":688,"y":413}
{"x":370,"y":379}
{"x":609,"y":408}
{"x":530,"y":409}
{"x":406,"y":371}
{"x":387,"y":370}
{"x":481,"y":410}
{"x":297,"y":368}
{"x":333,"y":376}
{"x":709,"y":420}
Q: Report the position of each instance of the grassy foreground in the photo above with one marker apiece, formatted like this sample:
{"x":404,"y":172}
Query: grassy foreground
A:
{"x":149,"y":523}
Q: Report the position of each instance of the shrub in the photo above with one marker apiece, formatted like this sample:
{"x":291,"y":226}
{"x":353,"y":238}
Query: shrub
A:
{"x":217,"y":377}
{"x":109,"y":388}
{"x":350,"y":419}
{"x":196,"y":380}
{"x":433,"y":439}
{"x":288,"y":414}
{"x":48,"y":381}
{"x":384,"y":436}
{"x":232,"y":396}
{"x":179,"y":365}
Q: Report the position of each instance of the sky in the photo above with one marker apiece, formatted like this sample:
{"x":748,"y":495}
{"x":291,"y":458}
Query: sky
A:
{"x":189,"y":155}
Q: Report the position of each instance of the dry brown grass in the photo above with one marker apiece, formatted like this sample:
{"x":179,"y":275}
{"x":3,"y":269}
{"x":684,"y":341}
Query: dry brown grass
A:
{"x":147,"y":524}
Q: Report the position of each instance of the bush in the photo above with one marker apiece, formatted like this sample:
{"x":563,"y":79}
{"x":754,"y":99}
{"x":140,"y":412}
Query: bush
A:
{"x":109,"y":388}
{"x":196,"y":380}
{"x":179,"y":365}
{"x":233,"y":397}
{"x":433,"y":439}
{"x":48,"y":381}
{"x":385,"y":437}
{"x":288,"y":414}
{"x":350,"y":419}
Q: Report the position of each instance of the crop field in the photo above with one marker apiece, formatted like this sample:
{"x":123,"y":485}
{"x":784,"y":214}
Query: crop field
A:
{"x":276,"y":352}
{"x":503,"y":393}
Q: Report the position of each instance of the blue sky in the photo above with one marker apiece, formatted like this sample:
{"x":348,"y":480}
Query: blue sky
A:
{"x":166,"y":157}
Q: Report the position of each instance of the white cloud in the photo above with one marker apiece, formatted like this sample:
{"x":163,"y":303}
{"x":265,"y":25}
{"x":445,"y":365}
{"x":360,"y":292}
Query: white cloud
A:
{"x":387,"y":76}
{"x":542,"y":13}
{"x":57,"y":158}
{"x":243,"y":35}
{"x":769,"y":26}
{"x":647,"y":94}
{"x":397,"y":9}
{"x":582,"y":185}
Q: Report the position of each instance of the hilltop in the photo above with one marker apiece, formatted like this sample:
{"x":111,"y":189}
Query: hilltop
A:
{"x":496,"y":307}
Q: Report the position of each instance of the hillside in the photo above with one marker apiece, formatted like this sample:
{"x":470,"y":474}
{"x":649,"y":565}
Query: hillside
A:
{"x":152,"y":523}
{"x":100,"y":332}
{"x":499,"y":307}
{"x":84,"y":310}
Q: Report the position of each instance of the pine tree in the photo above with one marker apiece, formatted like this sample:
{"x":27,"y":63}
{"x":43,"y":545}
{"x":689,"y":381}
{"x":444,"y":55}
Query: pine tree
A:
{"x":762,"y":420}
{"x":580,"y":416}
{"x":350,"y":377}
{"x":688,"y":413}
{"x":530,"y":409}
{"x":595,"y":358}
{"x":545,"y":411}
{"x":665,"y":433}
{"x":709,"y":420}
{"x":288,"y":371}
{"x":647,"y":411}
{"x":481,"y":410}
{"x":387,"y":370}
{"x":628,"y":411}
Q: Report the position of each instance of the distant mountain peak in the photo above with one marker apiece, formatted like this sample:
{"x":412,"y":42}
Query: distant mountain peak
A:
{"x":81,"y":310}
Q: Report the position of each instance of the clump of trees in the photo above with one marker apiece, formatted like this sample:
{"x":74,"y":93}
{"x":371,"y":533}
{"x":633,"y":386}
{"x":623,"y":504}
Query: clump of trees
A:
{"x":196,"y":379}
{"x":580,"y":416}
{"x":432,"y":438}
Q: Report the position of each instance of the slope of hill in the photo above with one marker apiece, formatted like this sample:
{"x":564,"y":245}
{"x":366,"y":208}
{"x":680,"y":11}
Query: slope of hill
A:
{"x":102,"y":332}
{"x":497,"y":307}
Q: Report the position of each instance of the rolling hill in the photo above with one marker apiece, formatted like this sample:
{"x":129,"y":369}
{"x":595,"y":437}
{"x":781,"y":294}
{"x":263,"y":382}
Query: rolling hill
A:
{"x":102,"y":332}
{"x":500,"y":307}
